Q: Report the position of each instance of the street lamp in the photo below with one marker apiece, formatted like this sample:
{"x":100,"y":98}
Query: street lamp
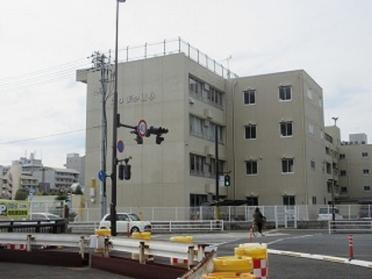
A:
{"x":114,"y":128}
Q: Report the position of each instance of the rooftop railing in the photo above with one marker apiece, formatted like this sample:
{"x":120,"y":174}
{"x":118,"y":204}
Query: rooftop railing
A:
{"x":166,"y":47}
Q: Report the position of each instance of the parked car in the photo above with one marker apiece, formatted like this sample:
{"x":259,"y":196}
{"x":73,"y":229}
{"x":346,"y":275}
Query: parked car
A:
{"x":44,"y":216}
{"x":126,"y":222}
{"x":325,"y":214}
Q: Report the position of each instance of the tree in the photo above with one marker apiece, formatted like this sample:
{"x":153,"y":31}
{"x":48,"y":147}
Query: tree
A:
{"x":21,"y":195}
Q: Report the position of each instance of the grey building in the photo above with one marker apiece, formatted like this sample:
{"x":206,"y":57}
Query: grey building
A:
{"x":271,"y":133}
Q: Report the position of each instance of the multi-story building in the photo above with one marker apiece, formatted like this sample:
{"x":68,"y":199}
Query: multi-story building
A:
{"x":270,"y":133}
{"x":76,"y":162}
{"x":54,"y":180}
{"x":356,"y":169}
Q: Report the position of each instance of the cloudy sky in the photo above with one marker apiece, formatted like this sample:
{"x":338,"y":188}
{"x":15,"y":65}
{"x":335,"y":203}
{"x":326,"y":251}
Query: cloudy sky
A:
{"x":43,"y":42}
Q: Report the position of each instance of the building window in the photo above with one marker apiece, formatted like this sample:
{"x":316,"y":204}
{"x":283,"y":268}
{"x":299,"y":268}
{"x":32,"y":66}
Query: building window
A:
{"x":249,"y":97}
{"x":312,"y":164}
{"x":285,"y":93}
{"x":289,"y":200}
{"x":366,"y":171}
{"x":251,"y":167}
{"x":286,"y":129}
{"x":342,"y":156}
{"x":205,"y":129}
{"x":287,"y":165}
{"x":197,"y":163}
{"x":252,"y":201}
{"x":197,"y":200}
{"x":329,"y":168}
{"x":205,"y":92}
{"x":314,"y":200}
{"x":343,"y":190}
{"x":250,"y":131}
{"x":364,"y":154}
{"x":367,"y":188}
{"x":343,"y":173}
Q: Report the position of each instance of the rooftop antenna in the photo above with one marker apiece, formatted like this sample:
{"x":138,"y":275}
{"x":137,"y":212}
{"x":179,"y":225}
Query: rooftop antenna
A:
{"x":335,"y":120}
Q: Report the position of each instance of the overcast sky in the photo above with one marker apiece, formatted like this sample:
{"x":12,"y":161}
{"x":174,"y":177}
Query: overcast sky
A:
{"x":43,"y":42}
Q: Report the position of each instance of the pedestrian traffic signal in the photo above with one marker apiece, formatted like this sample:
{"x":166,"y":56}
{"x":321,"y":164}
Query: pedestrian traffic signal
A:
{"x":227,"y":180}
{"x":124,"y":172}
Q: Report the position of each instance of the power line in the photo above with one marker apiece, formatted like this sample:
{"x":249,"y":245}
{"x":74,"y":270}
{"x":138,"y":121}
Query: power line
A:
{"x":49,"y":136}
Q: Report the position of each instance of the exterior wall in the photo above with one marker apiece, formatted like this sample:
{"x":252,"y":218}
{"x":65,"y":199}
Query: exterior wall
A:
{"x":354,"y":164}
{"x":270,"y":184}
{"x":77,"y":163}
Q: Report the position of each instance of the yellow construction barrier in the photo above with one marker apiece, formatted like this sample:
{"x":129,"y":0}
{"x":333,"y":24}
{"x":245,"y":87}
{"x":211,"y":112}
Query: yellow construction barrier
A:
{"x":228,"y":275}
{"x":103,"y":232}
{"x":233,"y":264}
{"x":258,"y":253}
{"x":141,"y":235}
{"x":253,"y":250}
{"x":181,"y":239}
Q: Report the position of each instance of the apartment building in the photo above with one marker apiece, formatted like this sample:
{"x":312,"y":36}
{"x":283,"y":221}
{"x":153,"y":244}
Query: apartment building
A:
{"x":356,"y":169}
{"x":76,"y":162}
{"x":271,"y":134}
{"x":278,"y":146}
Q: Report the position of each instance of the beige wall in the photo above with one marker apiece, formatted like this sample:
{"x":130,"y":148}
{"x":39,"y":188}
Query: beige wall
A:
{"x":354,"y":164}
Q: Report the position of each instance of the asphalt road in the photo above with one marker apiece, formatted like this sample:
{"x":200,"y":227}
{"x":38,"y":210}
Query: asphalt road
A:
{"x":21,"y":271}
{"x":280,"y":267}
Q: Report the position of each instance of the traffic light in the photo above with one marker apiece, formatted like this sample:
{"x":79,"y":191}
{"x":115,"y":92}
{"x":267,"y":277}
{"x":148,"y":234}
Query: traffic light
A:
{"x":158,"y":132}
{"x":124,"y":172}
{"x":121,"y":172}
{"x":227,"y":180}
{"x":138,"y":138}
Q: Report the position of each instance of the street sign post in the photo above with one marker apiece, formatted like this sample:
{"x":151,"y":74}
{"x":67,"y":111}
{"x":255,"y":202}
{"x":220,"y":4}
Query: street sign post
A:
{"x":120,"y":146}
{"x":101,"y":175}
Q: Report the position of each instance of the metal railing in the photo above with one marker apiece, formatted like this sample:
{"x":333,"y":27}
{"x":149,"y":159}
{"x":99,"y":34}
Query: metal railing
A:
{"x":187,"y":226}
{"x":166,"y":47}
{"x":34,"y":226}
{"x":349,"y":226}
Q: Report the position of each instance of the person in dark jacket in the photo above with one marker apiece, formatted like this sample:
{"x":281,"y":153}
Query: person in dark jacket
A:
{"x":258,"y":220}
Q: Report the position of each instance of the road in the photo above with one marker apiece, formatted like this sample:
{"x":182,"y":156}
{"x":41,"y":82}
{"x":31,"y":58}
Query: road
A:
{"x":280,"y":267}
{"x":285,"y":267}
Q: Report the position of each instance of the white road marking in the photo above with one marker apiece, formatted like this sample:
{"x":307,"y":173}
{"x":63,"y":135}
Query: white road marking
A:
{"x":326,"y":258}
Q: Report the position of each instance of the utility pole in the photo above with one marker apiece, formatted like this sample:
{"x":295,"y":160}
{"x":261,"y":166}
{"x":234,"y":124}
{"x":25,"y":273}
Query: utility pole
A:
{"x":102,"y":63}
{"x":216,"y":163}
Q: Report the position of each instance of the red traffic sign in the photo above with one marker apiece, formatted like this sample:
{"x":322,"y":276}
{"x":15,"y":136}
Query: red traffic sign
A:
{"x":142,"y":128}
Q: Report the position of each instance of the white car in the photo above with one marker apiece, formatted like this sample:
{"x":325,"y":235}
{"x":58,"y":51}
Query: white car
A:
{"x":44,"y":216}
{"x":325,"y":214}
{"x":126,"y":222}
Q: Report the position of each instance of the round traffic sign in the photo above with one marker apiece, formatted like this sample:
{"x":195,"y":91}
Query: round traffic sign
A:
{"x":142,"y":128}
{"x":120,"y":146}
{"x":101,"y":175}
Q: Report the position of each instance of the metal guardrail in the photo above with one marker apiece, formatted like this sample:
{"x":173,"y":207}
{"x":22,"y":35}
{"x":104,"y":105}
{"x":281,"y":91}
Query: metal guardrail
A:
{"x":187,"y":226}
{"x":349,"y":226}
{"x":34,"y":226}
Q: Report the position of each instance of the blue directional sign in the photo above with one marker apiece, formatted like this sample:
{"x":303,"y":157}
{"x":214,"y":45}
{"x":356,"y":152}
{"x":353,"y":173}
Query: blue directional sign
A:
{"x":101,"y":175}
{"x":120,"y":146}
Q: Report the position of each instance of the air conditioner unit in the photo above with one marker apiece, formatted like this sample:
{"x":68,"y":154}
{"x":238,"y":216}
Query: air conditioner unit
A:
{"x":191,"y":101}
{"x":208,"y":151}
{"x":208,"y":113}
{"x":208,"y":188}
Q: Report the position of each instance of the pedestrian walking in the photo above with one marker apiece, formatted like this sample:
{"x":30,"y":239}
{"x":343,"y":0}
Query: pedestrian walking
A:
{"x":258,"y":220}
